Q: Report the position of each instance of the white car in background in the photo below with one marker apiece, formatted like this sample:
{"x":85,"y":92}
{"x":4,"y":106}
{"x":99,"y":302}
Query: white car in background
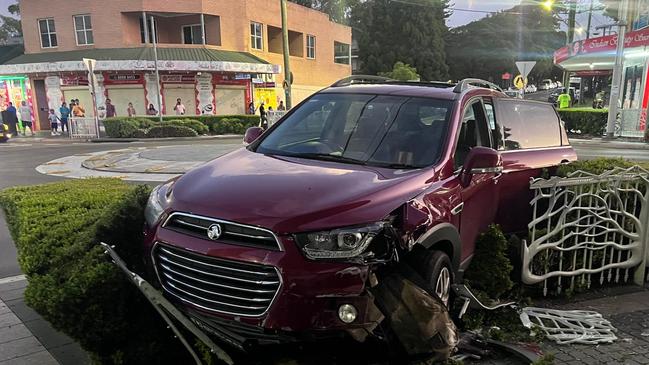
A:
{"x":546,"y":85}
{"x":531,"y":88}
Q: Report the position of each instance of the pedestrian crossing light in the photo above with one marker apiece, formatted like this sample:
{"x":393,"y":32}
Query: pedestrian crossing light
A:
{"x":547,"y":4}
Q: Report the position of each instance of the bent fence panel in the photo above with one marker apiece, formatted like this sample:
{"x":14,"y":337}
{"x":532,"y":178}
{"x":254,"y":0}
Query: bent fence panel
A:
{"x":588,"y":228}
{"x":83,"y":128}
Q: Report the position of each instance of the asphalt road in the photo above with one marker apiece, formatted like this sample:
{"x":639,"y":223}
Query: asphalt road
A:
{"x":18,"y":162}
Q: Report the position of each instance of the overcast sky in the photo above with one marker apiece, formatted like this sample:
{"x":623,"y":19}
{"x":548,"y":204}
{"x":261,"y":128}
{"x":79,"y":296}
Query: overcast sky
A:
{"x":4,"y":4}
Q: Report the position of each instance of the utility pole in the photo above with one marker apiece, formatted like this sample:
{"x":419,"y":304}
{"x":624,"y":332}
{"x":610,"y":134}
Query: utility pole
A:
{"x":618,"y":69}
{"x":287,"y":67}
{"x":572,"y":13}
{"x":590,"y":18}
{"x":157,"y":72}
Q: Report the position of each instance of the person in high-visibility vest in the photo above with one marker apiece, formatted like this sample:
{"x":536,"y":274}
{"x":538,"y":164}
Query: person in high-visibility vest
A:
{"x":564,"y":99}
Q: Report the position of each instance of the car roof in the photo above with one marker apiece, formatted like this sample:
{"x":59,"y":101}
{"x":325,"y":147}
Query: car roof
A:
{"x":414,"y":90}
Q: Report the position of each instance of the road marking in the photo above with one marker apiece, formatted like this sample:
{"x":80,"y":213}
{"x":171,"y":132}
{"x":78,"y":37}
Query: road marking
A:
{"x":13,"y":279}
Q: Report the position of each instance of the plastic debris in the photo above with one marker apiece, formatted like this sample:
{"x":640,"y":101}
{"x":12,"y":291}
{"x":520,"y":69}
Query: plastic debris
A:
{"x":568,"y":327}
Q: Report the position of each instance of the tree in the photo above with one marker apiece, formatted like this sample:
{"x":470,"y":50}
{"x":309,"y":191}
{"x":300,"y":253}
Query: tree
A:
{"x":489,"y":47}
{"x":338,"y":10}
{"x":401,"y":72}
{"x":9,"y":25}
{"x":408,"y":31}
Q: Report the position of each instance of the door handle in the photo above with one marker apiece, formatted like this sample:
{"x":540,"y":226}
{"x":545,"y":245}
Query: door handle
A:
{"x":457,"y":209}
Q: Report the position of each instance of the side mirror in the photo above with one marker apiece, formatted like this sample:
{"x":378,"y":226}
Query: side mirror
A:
{"x":481,"y":160}
{"x":252,"y":134}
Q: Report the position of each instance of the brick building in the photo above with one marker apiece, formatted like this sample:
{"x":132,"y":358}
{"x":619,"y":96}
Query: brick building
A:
{"x":217,"y":56}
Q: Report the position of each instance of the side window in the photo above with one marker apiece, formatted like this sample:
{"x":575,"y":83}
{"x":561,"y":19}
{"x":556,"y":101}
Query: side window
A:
{"x":473,"y":132}
{"x":494,"y":127}
{"x":528,"y":125}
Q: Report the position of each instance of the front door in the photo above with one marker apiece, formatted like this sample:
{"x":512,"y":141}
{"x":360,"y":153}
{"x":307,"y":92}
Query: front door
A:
{"x":477,"y":208}
{"x":43,"y":108}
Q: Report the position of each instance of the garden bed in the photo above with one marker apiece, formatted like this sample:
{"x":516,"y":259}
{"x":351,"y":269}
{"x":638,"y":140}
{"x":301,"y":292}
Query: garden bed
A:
{"x":178,"y":126}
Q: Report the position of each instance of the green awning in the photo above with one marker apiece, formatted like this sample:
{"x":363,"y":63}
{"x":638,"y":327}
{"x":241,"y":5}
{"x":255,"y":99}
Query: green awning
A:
{"x":140,"y":53}
{"x":9,"y":52}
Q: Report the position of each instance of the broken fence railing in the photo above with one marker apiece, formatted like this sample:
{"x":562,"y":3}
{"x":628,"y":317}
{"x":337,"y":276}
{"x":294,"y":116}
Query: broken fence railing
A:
{"x":588,"y":228}
{"x":567,"y":327}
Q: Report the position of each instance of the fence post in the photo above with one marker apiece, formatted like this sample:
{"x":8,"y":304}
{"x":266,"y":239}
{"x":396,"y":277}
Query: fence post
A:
{"x":639,"y":278}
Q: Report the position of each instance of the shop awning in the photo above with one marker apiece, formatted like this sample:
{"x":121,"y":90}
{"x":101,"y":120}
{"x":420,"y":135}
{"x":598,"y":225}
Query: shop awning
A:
{"x":193,"y":58}
{"x":11,"y":51}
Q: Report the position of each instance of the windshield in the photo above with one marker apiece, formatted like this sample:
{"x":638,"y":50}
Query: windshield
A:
{"x":378,"y":130}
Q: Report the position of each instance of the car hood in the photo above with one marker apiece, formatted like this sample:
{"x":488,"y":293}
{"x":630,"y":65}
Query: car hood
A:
{"x":288,"y":195}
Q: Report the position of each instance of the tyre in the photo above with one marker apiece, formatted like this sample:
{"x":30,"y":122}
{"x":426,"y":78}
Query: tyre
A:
{"x":437,"y":271}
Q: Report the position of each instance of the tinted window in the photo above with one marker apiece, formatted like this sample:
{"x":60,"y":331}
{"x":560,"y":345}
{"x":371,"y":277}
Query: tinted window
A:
{"x":379,"y":130}
{"x":493,"y":125}
{"x":528,"y":125}
{"x":473,"y":132}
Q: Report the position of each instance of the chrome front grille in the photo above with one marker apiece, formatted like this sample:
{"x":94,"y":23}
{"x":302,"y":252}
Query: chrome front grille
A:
{"x":214,"y":284}
{"x":231,"y":233}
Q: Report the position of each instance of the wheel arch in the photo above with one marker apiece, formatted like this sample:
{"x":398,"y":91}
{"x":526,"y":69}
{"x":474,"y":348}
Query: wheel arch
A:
{"x":446,"y":238}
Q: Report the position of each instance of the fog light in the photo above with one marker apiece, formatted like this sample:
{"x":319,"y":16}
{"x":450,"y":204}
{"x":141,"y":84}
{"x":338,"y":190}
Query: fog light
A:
{"x":347,"y":313}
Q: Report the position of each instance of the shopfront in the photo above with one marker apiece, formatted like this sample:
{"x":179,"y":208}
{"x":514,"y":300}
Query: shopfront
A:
{"x":15,"y":89}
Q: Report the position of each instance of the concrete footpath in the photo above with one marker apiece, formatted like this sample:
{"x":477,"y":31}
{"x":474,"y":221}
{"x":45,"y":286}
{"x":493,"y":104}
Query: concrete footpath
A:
{"x":25,"y":337}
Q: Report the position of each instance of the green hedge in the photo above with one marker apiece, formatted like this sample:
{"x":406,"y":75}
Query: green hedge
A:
{"x":138,"y":127}
{"x":585,"y":122}
{"x":71,"y":283}
{"x":165,"y":131}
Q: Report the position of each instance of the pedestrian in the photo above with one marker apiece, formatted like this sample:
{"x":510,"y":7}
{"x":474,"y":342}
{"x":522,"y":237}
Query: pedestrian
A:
{"x":263,"y":116}
{"x":26,"y":118}
{"x":12,"y":118}
{"x":130,"y":110}
{"x":281,"y":106}
{"x":180,"y":107}
{"x":251,"y":108}
{"x":54,"y":122}
{"x":65,"y":114}
{"x":78,"y":111}
{"x":110,"y":109}
{"x":564,"y":99}
{"x":151,"y":110}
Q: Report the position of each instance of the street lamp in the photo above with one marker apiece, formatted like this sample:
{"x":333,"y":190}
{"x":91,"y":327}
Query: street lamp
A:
{"x":548,"y":4}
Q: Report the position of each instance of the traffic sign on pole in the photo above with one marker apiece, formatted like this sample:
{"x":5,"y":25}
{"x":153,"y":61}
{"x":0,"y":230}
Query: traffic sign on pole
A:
{"x":525,"y":67}
{"x":520,"y":82}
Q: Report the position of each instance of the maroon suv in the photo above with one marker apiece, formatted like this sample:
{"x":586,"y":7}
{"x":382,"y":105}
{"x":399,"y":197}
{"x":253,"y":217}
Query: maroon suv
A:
{"x":281,"y":240}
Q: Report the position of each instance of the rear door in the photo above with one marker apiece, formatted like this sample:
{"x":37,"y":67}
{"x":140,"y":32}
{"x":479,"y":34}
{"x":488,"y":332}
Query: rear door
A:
{"x":530,"y":139}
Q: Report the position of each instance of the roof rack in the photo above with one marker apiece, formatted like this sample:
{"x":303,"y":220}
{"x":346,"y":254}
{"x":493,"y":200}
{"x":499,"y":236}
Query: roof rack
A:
{"x":466,"y":83}
{"x":361,"y":79}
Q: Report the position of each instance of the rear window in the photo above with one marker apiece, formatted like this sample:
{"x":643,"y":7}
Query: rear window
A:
{"x":528,"y":125}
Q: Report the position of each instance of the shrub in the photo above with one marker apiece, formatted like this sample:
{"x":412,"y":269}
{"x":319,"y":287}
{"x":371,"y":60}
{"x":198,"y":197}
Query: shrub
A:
{"x":228,"y":126}
{"x":585,"y":122}
{"x":194,"y":124}
{"x":490,"y":269}
{"x":163,"y":131}
{"x":596,"y":166}
{"x":646,"y":134}
{"x":120,"y":128}
{"x":71,"y":283}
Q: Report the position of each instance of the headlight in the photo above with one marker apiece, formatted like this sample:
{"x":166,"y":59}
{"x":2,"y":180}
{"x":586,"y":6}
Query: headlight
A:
{"x":154,"y":207}
{"x":339,"y":243}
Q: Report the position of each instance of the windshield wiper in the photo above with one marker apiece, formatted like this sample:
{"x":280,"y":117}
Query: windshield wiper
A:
{"x":393,"y":165}
{"x":324,"y":157}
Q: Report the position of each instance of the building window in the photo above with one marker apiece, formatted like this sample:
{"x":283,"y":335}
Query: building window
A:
{"x":256,"y":36}
{"x":193,"y":34}
{"x":48,"y":33}
{"x":310,"y":46}
{"x":83,"y":30}
{"x":341,"y":53}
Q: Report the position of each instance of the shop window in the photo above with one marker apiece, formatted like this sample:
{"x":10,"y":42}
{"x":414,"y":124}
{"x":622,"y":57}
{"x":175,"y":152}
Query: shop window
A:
{"x":193,"y":34}
{"x":48,"y":33}
{"x":83,"y":30}
{"x":310,"y":46}
{"x":341,"y":53}
{"x":632,"y":86}
{"x":256,"y":36}
{"x":150,"y":23}
{"x":275,"y":41}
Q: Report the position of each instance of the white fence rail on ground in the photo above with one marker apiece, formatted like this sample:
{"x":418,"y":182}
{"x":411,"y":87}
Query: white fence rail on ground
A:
{"x":588,"y":228}
{"x":83,"y":128}
{"x":274,"y":116}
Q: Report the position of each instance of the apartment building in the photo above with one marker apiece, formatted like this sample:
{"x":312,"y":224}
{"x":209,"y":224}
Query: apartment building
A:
{"x":216,"y":56}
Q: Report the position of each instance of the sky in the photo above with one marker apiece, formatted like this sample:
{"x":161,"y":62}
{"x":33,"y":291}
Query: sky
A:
{"x":4,"y":4}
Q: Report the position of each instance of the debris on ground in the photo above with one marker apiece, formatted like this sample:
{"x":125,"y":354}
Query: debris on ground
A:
{"x":571,"y":326}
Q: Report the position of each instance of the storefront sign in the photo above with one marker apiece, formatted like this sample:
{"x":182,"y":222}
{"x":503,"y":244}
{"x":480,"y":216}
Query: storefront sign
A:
{"x":177,"y":79}
{"x":74,"y":80}
{"x":123,"y":79}
{"x":53,"y":92}
{"x":607,"y":43}
{"x":227,"y":79}
{"x":205,"y":94}
{"x":242,"y":76}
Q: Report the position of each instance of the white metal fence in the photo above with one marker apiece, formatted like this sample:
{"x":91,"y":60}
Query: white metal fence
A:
{"x":274,"y":116}
{"x":588,"y":228}
{"x":629,"y":124}
{"x":83,"y":128}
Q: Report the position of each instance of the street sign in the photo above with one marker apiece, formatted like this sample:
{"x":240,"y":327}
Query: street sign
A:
{"x":525,"y":67}
{"x":506,"y":76}
{"x":520,"y":82}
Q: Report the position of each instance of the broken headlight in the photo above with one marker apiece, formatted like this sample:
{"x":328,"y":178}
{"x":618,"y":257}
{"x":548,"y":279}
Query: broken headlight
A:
{"x":339,"y":243}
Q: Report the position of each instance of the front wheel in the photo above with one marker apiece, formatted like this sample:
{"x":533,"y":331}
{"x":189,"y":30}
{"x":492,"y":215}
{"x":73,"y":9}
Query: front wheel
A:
{"x":438,"y":273}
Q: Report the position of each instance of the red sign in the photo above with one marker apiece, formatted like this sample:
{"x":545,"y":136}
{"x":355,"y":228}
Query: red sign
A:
{"x":74,"y":80}
{"x":177,"y":79}
{"x":507,"y":76}
{"x":593,"y":73}
{"x":607,"y":43}
{"x":230,"y":79}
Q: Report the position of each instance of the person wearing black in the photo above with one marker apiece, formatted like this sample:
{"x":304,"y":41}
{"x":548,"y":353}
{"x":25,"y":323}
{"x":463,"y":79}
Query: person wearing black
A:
{"x":11,"y":118}
{"x":262,"y":114}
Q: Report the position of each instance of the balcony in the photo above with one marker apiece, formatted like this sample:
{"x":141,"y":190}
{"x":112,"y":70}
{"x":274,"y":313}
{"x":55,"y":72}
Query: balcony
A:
{"x":171,"y":28}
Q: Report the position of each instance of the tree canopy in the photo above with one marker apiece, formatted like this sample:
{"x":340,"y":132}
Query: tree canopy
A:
{"x":409,"y":31}
{"x":338,"y":10}
{"x":9,"y":25}
{"x":402,"y":72}
{"x":489,"y":47}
